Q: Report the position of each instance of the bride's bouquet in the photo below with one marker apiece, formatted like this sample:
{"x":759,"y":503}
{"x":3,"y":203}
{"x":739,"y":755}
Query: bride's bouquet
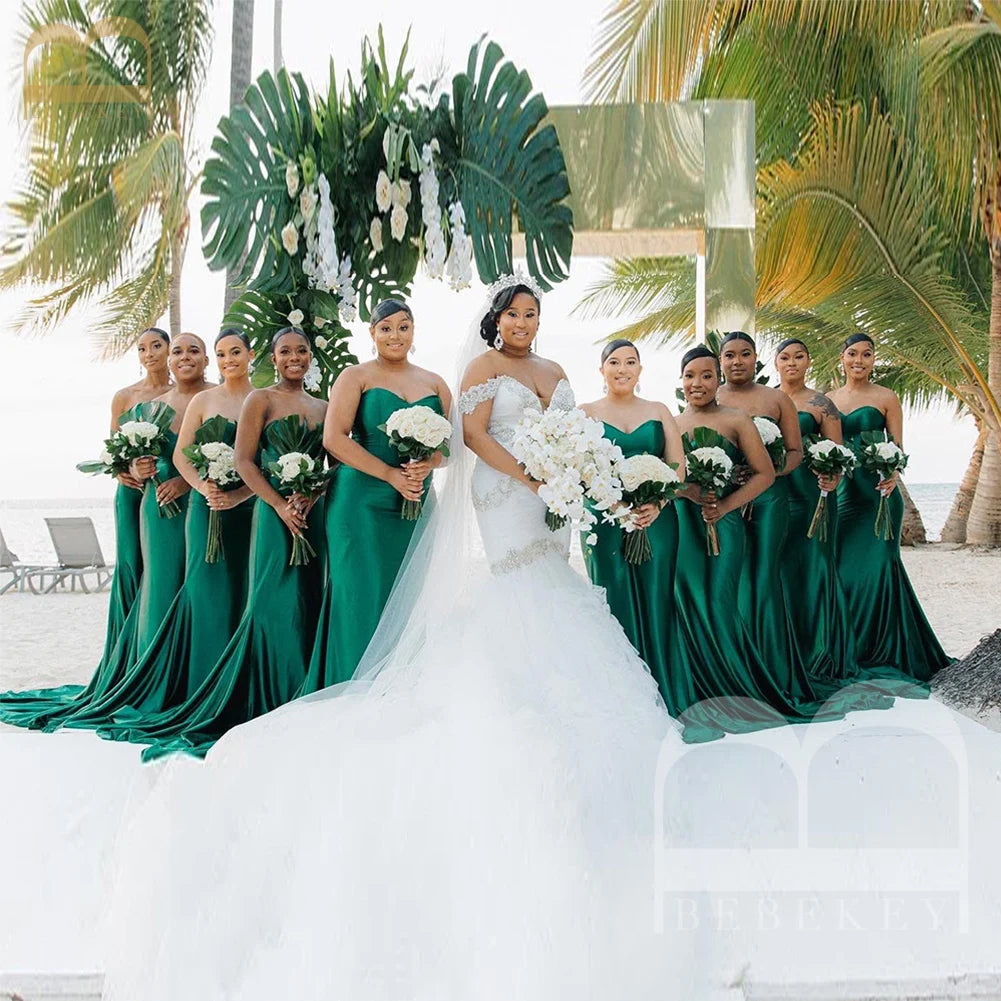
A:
{"x":824,"y":457}
{"x":214,"y":460}
{"x":646,"y":479}
{"x":880,"y":455}
{"x":142,"y":439}
{"x":566,"y":451}
{"x":417,"y":433}
{"x":709,"y":467}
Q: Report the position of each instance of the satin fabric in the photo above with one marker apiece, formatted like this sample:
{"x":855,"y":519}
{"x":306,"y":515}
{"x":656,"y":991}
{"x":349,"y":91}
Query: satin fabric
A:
{"x":641,"y":596}
{"x":32,"y":708}
{"x":265,"y":661}
{"x":366,"y":542}
{"x":742,"y":687}
{"x":196,"y":628}
{"x":884,"y":613}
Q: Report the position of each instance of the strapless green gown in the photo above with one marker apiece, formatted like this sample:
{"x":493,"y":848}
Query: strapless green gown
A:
{"x":27,"y":708}
{"x":265,"y":661}
{"x":641,"y":596}
{"x":163,"y":552}
{"x":741,"y":687}
{"x":366,"y":542}
{"x":199,"y":623}
{"x":889,"y":626}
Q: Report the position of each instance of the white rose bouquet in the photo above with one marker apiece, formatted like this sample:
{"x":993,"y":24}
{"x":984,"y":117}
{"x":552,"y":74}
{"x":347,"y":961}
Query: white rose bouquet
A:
{"x":775,"y":444}
{"x":112,"y":460}
{"x":566,"y":451}
{"x":880,"y":455}
{"x":214,"y":460}
{"x":297,"y":470}
{"x":646,"y":479}
{"x":824,"y":457}
{"x":417,"y":433}
{"x":141,"y":439}
{"x":709,"y":467}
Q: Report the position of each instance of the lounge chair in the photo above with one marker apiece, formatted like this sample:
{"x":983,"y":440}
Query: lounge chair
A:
{"x":9,"y":564}
{"x":79,"y":555}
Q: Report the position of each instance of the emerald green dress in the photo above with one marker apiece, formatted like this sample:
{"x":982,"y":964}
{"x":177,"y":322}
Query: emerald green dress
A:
{"x":885,"y":615}
{"x":193,"y":634}
{"x":641,"y":596}
{"x":265,"y":661}
{"x":741,"y":686}
{"x":162,"y":541}
{"x":366,"y":542}
{"x":817,"y":605}
{"x":26,"y":708}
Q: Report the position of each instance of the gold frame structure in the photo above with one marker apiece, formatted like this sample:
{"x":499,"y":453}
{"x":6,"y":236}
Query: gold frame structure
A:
{"x":665,"y":180}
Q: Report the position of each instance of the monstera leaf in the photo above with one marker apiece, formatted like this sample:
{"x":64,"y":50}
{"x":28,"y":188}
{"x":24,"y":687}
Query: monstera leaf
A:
{"x":506,"y":162}
{"x":247,"y":202}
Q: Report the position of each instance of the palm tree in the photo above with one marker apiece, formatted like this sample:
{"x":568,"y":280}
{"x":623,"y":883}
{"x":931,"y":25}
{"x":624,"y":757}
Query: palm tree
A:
{"x":101,"y":216}
{"x":240,"y":67}
{"x":843,"y":187}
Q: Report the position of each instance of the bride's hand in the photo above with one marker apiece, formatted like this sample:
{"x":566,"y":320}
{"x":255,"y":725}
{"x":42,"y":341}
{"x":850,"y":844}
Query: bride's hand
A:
{"x":404,"y":485}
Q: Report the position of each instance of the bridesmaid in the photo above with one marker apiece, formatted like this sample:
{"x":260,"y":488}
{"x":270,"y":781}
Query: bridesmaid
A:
{"x":265,"y":661}
{"x":189,"y":642}
{"x":890,"y":628}
{"x":739,"y":686}
{"x":161,"y":538}
{"x":763,"y":601}
{"x":21,"y":707}
{"x":641,"y":596}
{"x":809,"y":566}
{"x":366,"y":537}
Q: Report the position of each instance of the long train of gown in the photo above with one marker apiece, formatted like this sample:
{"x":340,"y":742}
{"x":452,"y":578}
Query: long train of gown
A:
{"x":482,"y":825}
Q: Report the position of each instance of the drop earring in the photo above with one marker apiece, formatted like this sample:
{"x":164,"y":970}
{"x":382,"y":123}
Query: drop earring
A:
{"x":374,"y":352}
{"x":498,"y":341}
{"x":413,"y":349}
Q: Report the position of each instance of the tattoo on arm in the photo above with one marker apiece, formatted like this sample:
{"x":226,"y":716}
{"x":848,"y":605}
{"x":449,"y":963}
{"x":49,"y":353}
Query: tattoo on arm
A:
{"x":825,"y":405}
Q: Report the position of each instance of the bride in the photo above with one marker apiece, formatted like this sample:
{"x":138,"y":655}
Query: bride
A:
{"x":470,"y":817}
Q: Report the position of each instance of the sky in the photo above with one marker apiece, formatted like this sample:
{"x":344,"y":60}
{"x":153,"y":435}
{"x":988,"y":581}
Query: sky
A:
{"x":55,"y":395}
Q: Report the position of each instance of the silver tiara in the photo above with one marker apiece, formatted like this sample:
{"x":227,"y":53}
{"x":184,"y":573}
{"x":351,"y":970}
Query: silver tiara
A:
{"x":518,"y":278}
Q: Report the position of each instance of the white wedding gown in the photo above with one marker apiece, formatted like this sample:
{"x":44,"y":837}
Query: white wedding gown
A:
{"x":474,"y":825}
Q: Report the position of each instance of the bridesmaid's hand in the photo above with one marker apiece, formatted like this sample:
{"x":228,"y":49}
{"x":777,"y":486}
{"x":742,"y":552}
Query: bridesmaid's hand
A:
{"x":708,"y":498}
{"x":294,"y":519}
{"x":645,"y":515}
{"x":220,"y":500}
{"x":829,"y":483}
{"x":406,"y":487}
{"x":887,"y":486}
{"x":171,"y":489}
{"x":144,"y":468}
{"x":713,"y":510}
{"x":128,"y":480}
{"x":418,"y":471}
{"x":303,"y":503}
{"x":742,"y":474}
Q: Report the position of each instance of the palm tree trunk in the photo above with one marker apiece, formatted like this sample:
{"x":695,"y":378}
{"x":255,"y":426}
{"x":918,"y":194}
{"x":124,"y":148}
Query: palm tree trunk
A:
{"x":912,"y":530}
{"x":954,"y":529}
{"x":176,"y":263}
{"x":984,"y":525}
{"x":240,"y":67}
{"x":279,"y":59}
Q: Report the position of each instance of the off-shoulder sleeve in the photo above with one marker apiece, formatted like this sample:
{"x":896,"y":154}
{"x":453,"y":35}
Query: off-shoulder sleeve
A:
{"x":478,"y":394}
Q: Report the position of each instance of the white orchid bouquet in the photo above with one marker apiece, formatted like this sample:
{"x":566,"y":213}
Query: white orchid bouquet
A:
{"x":824,"y":457}
{"x":882,"y":456}
{"x":214,"y":460}
{"x":417,"y":433}
{"x":298,"y":470}
{"x":566,"y":451}
{"x":709,"y":467}
{"x":646,"y":479}
{"x":147,"y":437}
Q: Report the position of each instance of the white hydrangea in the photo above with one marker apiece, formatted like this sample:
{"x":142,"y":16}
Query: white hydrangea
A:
{"x":398,"y":222}
{"x":715,"y":457}
{"x":375,"y":234}
{"x":420,"y":423}
{"x":459,"y":266}
{"x":290,"y":238}
{"x":383,"y":191}
{"x":291,"y":178}
{"x":292,"y":463}
{"x":767,"y":429}
{"x":222,"y":463}
{"x":644,"y":468}
{"x":825,"y":447}
{"x":139,"y":432}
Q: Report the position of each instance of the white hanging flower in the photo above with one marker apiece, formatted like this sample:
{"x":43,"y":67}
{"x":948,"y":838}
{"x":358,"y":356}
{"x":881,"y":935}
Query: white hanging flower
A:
{"x":291,"y":178}
{"x":398,"y":222}
{"x":435,"y":251}
{"x":311,"y":380}
{"x":307,"y":203}
{"x":459,"y":266}
{"x":320,"y":263}
{"x":348,"y":306}
{"x":401,"y":193}
{"x":383,"y":191}
{"x":320,"y":342}
{"x":296,"y":317}
{"x":375,"y":234}
{"x":290,"y":239}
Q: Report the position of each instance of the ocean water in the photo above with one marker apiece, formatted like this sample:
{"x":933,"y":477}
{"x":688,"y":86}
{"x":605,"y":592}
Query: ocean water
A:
{"x":23,"y":524}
